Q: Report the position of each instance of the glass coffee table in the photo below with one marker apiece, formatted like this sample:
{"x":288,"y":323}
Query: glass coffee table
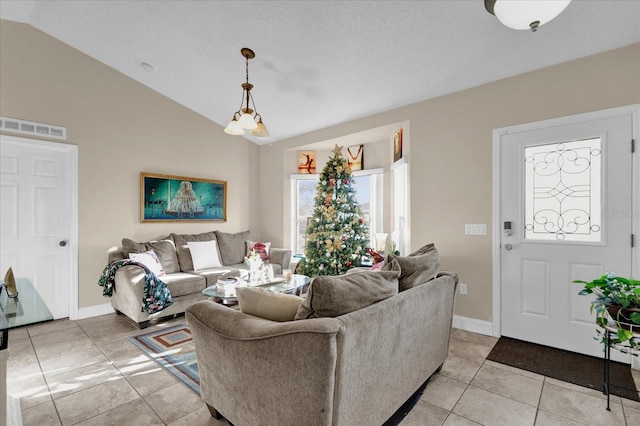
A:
{"x":279,"y":285}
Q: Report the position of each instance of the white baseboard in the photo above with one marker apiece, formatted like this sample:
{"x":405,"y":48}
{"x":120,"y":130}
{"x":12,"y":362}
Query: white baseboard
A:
{"x":473,"y":325}
{"x":95,"y":311}
{"x":14,"y":412}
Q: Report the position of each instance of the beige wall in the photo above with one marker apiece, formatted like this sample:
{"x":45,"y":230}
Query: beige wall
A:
{"x":121,"y":128}
{"x":450,"y":155}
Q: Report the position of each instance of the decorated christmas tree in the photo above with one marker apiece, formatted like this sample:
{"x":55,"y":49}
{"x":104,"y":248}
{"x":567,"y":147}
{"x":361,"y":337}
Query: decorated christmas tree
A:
{"x":337,"y":235}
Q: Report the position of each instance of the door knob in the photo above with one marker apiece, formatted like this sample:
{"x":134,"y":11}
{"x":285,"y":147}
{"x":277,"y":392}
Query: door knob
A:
{"x":62,"y":243}
{"x":508,"y":246}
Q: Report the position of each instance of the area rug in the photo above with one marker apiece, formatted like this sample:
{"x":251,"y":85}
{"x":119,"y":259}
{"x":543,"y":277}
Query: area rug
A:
{"x":173,"y":349}
{"x":582,"y":370}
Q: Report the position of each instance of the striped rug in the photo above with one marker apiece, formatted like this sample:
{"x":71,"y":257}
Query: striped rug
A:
{"x":173,"y":349}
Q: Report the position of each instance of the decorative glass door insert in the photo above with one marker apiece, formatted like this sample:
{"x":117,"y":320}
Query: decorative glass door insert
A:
{"x":563,"y":191}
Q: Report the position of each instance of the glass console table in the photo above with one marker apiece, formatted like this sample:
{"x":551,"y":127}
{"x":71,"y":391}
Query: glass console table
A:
{"x":26,"y":309}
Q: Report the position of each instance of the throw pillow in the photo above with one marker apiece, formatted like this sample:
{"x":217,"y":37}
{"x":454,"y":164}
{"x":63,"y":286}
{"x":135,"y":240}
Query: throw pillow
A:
{"x":267,"y":304}
{"x":332,"y":296}
{"x":261,"y":248}
{"x":150,"y":260}
{"x":204,"y":254}
{"x":417,"y":268}
{"x":232,"y":246}
{"x":164,"y":249}
{"x":182,"y":249}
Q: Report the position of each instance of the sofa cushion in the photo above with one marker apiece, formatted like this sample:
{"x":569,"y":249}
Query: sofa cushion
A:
{"x":332,"y":296}
{"x":163,"y":248}
{"x":232,"y":246}
{"x":417,"y":268}
{"x":204,"y":254}
{"x":182,"y":249}
{"x":261,"y":248}
{"x":150,"y":260}
{"x":182,"y":284}
{"x":268,"y":304}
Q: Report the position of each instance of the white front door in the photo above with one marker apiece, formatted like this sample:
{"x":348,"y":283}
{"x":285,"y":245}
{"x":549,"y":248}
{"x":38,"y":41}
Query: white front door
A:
{"x":566,"y":194}
{"x":35,"y":217}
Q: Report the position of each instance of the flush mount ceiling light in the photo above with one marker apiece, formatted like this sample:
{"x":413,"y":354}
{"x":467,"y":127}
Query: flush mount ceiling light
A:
{"x":245,"y":117}
{"x":525,"y":14}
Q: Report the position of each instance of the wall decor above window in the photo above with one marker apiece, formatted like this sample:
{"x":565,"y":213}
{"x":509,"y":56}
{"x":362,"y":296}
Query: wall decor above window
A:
{"x":167,"y":198}
{"x":355,"y":157}
{"x":306,"y":162}
{"x":397,"y":146}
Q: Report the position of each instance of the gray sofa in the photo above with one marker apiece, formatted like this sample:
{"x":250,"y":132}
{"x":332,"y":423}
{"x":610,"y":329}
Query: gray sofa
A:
{"x":185,"y":284}
{"x":354,"y":369}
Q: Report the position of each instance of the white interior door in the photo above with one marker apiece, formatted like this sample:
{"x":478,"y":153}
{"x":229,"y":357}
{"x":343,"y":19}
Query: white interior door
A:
{"x":567,"y":192}
{"x":35,"y":218}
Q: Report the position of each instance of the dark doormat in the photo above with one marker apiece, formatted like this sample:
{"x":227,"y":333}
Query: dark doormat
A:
{"x":582,"y":370}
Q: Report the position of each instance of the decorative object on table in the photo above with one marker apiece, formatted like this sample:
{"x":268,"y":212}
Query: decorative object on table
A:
{"x":254,"y":262}
{"x":306,"y":162}
{"x":356,"y":157}
{"x":619,"y":299}
{"x":173,"y":349}
{"x":245,"y":117}
{"x":168,"y":198}
{"x":9,"y":284}
{"x":337,"y":235}
{"x":287,"y":274}
{"x":397,"y":146}
{"x":525,"y":14}
{"x":227,"y":285}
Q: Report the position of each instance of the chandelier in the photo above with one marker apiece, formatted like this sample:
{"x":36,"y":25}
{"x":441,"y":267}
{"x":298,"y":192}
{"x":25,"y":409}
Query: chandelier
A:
{"x":246,"y":118}
{"x":525,"y":14}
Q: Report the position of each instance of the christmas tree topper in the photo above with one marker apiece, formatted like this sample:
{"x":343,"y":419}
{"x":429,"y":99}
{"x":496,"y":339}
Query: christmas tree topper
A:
{"x":337,"y":151}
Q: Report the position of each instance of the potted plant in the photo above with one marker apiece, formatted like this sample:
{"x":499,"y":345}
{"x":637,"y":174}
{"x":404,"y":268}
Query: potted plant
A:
{"x":619,"y":298}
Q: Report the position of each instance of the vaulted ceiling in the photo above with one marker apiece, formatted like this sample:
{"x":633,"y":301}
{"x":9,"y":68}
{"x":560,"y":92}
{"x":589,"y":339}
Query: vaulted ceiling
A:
{"x":320,"y":63}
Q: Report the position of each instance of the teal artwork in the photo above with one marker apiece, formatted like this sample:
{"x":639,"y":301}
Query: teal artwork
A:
{"x":178,"y":198}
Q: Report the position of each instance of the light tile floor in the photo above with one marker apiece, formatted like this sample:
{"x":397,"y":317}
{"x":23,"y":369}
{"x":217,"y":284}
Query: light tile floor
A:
{"x":87,"y":373}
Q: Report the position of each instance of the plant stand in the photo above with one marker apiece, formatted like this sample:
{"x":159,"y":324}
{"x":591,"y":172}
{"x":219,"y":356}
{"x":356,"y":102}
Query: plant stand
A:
{"x":610,"y":329}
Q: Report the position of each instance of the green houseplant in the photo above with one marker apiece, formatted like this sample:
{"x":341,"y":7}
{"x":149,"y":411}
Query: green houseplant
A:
{"x":619,"y":297}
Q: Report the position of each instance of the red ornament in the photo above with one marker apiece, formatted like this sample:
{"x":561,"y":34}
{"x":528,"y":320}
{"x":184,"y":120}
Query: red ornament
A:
{"x":344,"y":238}
{"x":348,"y":264}
{"x":332,"y":182}
{"x":346,"y":181}
{"x":361,"y":220}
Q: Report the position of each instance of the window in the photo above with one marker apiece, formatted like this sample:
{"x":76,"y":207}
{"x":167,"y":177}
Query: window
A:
{"x":562,"y":191}
{"x":368,"y":187}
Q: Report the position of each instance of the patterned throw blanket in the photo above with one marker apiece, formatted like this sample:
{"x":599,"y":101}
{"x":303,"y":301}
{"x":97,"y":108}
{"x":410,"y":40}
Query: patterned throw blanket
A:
{"x":156,"y":295}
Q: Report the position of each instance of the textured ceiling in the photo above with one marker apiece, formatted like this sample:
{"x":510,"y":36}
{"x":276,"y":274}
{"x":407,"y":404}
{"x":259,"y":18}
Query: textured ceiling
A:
{"x":320,"y":63}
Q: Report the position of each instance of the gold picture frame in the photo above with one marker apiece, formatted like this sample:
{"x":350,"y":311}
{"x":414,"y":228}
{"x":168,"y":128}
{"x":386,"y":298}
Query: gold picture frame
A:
{"x":169,"y":198}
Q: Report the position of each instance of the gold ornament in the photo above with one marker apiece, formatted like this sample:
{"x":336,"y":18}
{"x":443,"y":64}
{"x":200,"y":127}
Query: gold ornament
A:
{"x":337,"y":151}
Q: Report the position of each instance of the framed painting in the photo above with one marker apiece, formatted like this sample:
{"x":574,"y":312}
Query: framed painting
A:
{"x":355,"y":157}
{"x":167,"y":198}
{"x":306,"y":162}
{"x":397,"y":146}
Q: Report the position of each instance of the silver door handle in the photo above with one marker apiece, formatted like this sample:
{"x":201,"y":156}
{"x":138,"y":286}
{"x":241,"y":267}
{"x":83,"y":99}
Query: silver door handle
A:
{"x":508,"y":246}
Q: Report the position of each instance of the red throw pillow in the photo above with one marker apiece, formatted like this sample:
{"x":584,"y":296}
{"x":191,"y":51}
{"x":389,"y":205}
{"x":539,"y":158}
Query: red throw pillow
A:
{"x":261,"y":248}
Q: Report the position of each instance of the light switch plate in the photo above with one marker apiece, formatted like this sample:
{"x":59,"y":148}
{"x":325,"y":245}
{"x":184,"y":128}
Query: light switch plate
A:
{"x":475,"y":229}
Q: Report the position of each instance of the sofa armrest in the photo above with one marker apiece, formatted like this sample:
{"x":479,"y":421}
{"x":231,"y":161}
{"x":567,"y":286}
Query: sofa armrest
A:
{"x":247,"y":364}
{"x":280,"y":256}
{"x":116,"y":255}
